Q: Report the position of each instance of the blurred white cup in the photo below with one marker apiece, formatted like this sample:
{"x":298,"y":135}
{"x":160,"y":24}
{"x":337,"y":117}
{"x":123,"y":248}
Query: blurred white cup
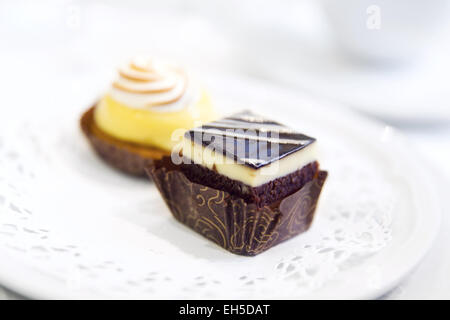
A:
{"x":385,"y":30}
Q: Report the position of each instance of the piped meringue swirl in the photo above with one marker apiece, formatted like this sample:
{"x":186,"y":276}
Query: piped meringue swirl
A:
{"x":149,"y":101}
{"x":149,"y":83}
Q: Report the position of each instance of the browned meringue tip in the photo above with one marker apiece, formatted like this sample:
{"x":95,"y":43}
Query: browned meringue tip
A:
{"x":239,"y":227}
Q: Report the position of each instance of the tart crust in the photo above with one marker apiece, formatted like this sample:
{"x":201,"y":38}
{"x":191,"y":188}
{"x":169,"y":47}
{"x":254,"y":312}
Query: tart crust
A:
{"x":125,"y":156}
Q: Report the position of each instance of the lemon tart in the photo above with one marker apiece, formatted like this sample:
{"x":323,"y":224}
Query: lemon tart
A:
{"x":144,"y":114}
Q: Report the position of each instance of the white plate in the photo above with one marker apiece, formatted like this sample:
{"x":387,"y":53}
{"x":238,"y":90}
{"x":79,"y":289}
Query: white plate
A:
{"x":71,"y":227}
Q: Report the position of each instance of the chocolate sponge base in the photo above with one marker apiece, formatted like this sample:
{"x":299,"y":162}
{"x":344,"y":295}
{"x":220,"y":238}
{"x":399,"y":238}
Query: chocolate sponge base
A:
{"x":125,"y":156}
{"x":229,"y":221}
{"x":262,"y":195}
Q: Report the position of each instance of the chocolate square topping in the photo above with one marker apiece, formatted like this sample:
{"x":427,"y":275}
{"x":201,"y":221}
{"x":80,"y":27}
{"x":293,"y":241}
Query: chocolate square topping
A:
{"x":249,"y":139}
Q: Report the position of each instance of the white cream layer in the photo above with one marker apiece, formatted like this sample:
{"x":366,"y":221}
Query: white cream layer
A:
{"x":240,"y":172}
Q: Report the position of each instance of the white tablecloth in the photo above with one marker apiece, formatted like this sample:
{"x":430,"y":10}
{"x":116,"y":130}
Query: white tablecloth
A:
{"x":430,"y":280}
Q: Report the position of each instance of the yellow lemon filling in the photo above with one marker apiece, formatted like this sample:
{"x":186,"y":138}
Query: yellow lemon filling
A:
{"x":148,"y":126}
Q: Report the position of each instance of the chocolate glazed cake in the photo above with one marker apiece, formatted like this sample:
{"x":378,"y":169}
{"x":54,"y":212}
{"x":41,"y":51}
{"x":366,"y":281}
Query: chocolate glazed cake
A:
{"x":245,"y":182}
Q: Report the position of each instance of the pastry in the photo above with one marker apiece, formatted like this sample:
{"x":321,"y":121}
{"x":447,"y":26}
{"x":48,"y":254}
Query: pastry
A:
{"x":140,"y":117}
{"x":244,"y":182}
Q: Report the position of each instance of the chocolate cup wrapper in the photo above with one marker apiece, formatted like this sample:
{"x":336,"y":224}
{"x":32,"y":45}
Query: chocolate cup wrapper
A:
{"x":239,"y":227}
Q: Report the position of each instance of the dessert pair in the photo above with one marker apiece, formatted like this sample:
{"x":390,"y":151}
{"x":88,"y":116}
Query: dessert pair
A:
{"x":244,"y":182}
